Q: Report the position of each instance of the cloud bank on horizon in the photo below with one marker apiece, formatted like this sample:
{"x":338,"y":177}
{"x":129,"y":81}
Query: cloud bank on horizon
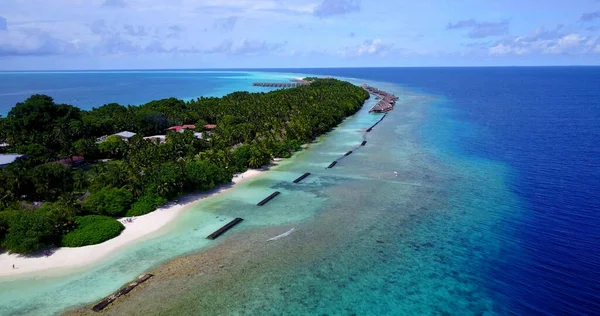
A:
{"x":119,"y":34}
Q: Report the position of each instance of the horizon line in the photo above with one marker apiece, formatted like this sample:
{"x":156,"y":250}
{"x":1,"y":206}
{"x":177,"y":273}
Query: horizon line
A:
{"x":283,"y":68}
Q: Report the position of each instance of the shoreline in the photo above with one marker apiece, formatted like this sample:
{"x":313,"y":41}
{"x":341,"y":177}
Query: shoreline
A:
{"x":261,"y":249}
{"x":142,"y":226}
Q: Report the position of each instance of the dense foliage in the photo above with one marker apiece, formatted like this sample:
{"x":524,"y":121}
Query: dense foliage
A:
{"x":134,"y":177}
{"x":91,"y":230}
{"x":27,"y":232}
{"x":146,"y":204}
{"x":109,"y":201}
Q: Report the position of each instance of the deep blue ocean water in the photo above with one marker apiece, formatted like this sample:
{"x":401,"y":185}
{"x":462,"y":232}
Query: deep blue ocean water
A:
{"x":92,"y":89}
{"x":544,"y":124}
{"x":541,"y":124}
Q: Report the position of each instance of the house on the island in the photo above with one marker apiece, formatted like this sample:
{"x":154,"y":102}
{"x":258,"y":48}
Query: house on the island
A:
{"x":163,"y":138}
{"x":209,"y":127}
{"x":74,"y":161}
{"x":159,"y":138}
{"x":7,"y":159}
{"x":181,"y":128}
{"x":125,"y":135}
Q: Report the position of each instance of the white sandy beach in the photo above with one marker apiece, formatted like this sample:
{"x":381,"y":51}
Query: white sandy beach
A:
{"x":140,"y":227}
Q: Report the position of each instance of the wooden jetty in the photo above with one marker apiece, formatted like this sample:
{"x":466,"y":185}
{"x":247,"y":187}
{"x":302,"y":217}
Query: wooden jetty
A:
{"x":348,"y":153}
{"x":332,"y":165}
{"x":363,"y":143}
{"x":268,"y":198}
{"x":386,"y":100}
{"x":302,"y":177}
{"x":105,"y":302}
{"x":274,"y":84}
{"x":225,"y":228}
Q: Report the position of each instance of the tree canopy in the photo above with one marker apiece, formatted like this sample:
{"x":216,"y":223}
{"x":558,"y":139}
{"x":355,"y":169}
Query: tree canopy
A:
{"x":135,"y":176}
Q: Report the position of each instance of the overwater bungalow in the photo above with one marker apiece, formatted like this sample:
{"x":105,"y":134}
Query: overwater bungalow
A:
{"x":386,"y":100}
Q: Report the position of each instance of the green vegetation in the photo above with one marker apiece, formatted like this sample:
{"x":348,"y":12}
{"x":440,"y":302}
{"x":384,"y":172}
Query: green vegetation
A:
{"x":108,"y":201}
{"x":146,"y":204}
{"x":28,"y":231}
{"x":135,"y":177}
{"x":91,"y":230}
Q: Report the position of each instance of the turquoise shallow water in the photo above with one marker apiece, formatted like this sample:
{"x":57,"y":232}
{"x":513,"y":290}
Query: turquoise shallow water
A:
{"x":372,"y":242}
{"x":367,"y":240}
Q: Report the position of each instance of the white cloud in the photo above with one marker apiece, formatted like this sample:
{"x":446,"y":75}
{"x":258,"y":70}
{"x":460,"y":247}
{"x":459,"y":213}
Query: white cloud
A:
{"x":245,"y":47}
{"x":565,"y":44}
{"x":541,"y":41}
{"x":502,"y":49}
{"x":368,"y":47}
{"x":34,"y":42}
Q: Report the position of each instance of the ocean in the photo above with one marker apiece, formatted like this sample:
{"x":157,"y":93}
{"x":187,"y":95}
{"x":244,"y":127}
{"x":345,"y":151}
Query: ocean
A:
{"x":477,"y":195}
{"x":93,"y":89}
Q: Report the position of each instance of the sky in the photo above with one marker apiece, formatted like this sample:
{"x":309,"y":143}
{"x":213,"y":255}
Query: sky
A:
{"x":179,"y":34}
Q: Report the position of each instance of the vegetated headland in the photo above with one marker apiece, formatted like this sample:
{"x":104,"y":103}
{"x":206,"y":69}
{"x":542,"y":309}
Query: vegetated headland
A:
{"x":68,"y":175}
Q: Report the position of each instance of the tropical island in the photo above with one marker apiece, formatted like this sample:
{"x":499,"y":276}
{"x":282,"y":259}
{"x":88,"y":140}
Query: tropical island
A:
{"x":72,"y":173}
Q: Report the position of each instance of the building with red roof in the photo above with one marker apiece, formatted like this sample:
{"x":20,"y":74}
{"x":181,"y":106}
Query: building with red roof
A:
{"x":179,"y":128}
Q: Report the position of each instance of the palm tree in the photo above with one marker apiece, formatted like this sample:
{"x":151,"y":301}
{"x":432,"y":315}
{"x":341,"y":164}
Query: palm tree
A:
{"x":254,"y":162}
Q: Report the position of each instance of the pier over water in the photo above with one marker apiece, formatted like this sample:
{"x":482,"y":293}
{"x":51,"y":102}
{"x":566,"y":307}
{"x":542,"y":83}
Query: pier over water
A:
{"x":386,"y":103}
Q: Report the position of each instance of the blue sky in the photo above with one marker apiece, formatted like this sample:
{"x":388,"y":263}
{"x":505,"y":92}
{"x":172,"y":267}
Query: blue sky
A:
{"x":140,"y":34}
